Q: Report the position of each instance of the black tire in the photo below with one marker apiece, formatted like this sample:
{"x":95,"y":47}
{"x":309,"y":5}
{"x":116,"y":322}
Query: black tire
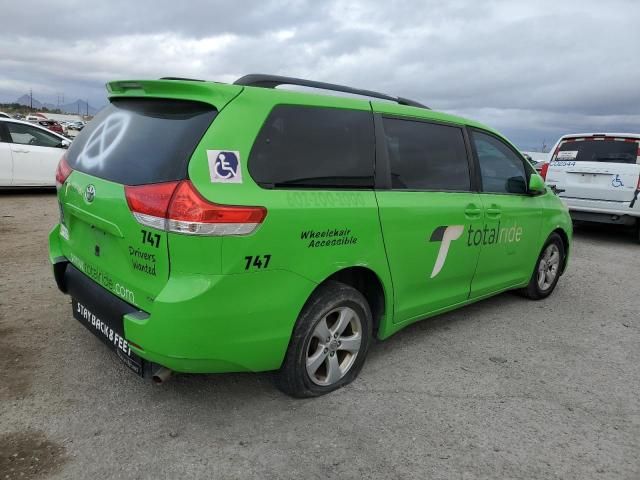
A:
{"x":533,"y":290}
{"x":293,"y":378}
{"x":638,"y":231}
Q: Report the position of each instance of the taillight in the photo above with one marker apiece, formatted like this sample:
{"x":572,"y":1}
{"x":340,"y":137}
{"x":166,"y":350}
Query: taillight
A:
{"x":543,"y":170}
{"x":149,"y":203}
{"x":178,"y":207}
{"x":63,"y":171}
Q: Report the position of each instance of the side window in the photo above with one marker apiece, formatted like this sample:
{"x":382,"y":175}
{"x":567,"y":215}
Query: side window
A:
{"x":314,"y":147}
{"x":28,"y":135}
{"x":4,"y":133}
{"x":502,"y":171}
{"x":426,"y":156}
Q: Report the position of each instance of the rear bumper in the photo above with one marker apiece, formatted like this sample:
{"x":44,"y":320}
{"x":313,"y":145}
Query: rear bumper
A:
{"x":603,"y":211}
{"x":103,"y":313}
{"x":201,"y":323}
{"x":597,"y":217}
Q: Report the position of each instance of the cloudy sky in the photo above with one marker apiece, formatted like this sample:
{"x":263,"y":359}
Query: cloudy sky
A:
{"x":533,"y":69}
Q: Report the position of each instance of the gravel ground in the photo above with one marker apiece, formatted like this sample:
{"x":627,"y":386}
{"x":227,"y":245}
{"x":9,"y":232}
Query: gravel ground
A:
{"x":506,"y":388}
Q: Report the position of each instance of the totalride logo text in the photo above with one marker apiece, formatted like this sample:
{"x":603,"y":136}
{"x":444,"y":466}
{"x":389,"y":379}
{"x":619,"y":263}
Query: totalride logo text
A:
{"x":447,"y":234}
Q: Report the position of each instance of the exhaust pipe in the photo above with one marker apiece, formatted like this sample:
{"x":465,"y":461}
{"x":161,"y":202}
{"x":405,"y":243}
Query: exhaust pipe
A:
{"x":161,"y":375}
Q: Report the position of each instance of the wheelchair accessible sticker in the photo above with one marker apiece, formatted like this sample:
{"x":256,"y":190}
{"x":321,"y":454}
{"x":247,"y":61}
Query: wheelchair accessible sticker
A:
{"x":224,"y":166}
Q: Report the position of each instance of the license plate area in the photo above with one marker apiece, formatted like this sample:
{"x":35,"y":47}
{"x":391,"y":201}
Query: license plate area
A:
{"x":109,"y":329}
{"x":587,"y":178}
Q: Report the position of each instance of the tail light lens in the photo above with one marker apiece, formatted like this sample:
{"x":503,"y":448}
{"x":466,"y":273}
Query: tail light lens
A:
{"x":149,"y":203}
{"x":63,"y":171}
{"x":178,"y":207}
{"x":543,"y":170}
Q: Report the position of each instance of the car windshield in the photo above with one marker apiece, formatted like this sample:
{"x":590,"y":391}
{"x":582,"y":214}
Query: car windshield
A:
{"x":590,"y":150}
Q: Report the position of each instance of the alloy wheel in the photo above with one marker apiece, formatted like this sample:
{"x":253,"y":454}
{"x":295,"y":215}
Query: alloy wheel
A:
{"x":334,"y":346}
{"x":548,"y":267}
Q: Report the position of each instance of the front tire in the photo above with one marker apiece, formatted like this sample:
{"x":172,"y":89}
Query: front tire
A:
{"x":329,"y":342}
{"x":548,"y":269}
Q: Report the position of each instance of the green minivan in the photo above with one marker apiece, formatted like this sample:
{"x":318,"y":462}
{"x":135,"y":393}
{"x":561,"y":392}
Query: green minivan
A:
{"x":210,"y":227}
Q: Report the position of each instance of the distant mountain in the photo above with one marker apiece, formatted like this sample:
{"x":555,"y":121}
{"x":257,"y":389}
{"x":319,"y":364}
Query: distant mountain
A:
{"x":24,"y":100}
{"x":79,"y":106}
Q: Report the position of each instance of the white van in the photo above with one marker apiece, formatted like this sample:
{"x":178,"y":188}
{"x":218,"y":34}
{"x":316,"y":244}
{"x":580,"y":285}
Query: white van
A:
{"x":598,"y":176}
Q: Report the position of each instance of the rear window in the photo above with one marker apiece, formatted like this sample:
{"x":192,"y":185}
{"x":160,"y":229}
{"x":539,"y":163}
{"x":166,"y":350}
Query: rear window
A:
{"x":314,"y":147}
{"x":141,"y":141}
{"x":587,"y":150}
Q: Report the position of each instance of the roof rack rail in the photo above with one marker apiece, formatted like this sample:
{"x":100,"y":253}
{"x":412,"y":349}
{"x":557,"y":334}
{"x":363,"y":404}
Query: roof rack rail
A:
{"x":272,"y":81}
{"x":180,"y":78}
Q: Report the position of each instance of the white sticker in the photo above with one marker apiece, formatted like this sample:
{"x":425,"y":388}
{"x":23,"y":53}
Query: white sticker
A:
{"x":224,"y":166}
{"x":64,"y":233}
{"x":567,"y":155}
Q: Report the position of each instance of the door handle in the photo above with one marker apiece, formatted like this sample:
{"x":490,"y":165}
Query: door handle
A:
{"x":494,"y":211}
{"x":472,"y":211}
{"x":20,"y":151}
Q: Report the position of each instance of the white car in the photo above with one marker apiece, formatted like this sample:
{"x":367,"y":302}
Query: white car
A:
{"x":78,"y":125}
{"x":598,"y":176}
{"x":29,"y":154}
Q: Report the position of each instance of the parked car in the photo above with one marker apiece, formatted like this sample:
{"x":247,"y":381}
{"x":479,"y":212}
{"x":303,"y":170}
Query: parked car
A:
{"x":288,"y":232}
{"x":78,"y":125}
{"x":52,"y":125}
{"x":537,"y":159}
{"x":4,"y":115}
{"x":64,"y":126}
{"x":29,"y":154}
{"x":598,"y":177}
{"x":33,"y":118}
{"x":528,"y":158}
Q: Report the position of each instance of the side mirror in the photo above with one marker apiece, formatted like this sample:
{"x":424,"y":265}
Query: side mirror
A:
{"x":65,"y":144}
{"x":536,"y":185}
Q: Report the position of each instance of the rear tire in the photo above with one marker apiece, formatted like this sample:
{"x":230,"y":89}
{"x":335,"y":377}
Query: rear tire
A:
{"x":638,"y":230}
{"x":548,"y":269}
{"x":329,"y":342}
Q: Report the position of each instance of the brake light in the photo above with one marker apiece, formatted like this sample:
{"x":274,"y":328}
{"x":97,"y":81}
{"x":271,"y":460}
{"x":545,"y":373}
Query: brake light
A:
{"x":149,"y":203}
{"x":178,"y":207}
{"x":543,"y":170}
{"x":62,"y":171}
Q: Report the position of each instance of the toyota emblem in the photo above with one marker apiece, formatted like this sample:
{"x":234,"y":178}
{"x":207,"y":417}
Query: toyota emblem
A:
{"x":90,"y":193}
